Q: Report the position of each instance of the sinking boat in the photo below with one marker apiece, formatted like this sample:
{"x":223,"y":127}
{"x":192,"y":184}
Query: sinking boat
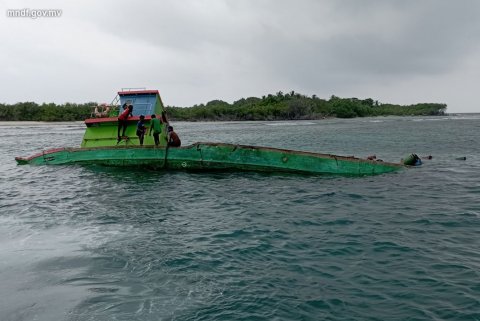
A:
{"x":100,"y":145}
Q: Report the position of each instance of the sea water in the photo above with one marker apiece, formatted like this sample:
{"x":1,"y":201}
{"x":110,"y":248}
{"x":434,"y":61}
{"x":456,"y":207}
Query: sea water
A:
{"x":106,"y":243}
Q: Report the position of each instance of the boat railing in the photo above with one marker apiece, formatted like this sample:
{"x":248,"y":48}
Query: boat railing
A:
{"x":115,"y":104}
{"x":113,"y":109}
{"x":133,"y":88}
{"x":115,"y":101}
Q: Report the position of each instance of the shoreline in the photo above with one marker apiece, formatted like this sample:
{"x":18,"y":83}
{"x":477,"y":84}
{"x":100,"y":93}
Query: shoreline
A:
{"x":38,"y":122}
{"x":34,"y":122}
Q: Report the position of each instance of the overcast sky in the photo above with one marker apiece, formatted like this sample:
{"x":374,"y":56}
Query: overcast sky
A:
{"x":194,"y":51}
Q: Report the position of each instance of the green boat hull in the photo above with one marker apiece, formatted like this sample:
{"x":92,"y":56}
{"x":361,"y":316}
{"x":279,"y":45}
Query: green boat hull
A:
{"x":213,"y":156}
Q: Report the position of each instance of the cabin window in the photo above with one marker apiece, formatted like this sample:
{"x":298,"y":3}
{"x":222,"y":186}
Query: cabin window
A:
{"x":143,"y":104}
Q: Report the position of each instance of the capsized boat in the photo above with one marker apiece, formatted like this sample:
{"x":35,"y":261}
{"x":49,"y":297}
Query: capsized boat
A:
{"x":100,"y":146}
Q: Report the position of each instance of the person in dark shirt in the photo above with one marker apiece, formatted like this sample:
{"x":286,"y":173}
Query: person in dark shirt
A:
{"x":173,"y":139}
{"x":141,"y":129}
{"x":123,"y":122}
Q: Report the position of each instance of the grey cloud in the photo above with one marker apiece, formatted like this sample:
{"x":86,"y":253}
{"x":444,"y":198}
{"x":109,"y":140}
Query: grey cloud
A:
{"x":425,"y":37}
{"x":227,"y":49}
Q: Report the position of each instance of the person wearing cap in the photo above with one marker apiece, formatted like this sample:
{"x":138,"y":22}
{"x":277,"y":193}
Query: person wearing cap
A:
{"x":173,"y":139}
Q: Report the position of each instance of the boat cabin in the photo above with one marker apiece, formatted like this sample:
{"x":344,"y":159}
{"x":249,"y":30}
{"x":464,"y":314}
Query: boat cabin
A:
{"x":102,"y":127}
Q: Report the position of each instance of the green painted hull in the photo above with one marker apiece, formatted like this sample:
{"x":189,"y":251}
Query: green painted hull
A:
{"x":212,"y":156}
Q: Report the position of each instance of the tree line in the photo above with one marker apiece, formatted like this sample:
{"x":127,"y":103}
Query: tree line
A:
{"x":289,"y":106}
{"x":30,"y":111}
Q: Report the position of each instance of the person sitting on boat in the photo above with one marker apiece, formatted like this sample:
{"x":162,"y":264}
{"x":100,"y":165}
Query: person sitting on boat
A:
{"x":103,"y":113}
{"x":173,"y":139}
{"x":106,"y":111}
{"x":141,"y":129}
{"x":156,"y":128}
{"x":123,"y":122}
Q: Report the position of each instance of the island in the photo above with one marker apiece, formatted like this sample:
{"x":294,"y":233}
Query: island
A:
{"x":279,"y":106}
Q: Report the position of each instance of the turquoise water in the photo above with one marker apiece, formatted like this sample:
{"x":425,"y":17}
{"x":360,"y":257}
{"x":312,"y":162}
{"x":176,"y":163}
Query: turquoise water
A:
{"x":102,"y":243}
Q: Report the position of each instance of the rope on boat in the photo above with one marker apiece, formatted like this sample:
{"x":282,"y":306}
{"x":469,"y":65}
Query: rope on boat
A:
{"x":201,"y":155}
{"x":165,"y":159}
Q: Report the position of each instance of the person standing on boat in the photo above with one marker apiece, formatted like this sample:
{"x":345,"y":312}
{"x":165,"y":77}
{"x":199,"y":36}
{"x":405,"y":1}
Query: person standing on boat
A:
{"x":141,"y":129}
{"x":123,"y":121}
{"x":156,"y":127}
{"x":173,"y":139}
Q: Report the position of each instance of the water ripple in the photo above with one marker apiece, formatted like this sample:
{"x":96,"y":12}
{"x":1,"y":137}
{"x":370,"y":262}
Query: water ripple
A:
{"x":127,"y":244}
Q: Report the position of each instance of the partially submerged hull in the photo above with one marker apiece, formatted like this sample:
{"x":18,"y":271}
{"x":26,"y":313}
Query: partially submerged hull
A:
{"x":213,"y":156}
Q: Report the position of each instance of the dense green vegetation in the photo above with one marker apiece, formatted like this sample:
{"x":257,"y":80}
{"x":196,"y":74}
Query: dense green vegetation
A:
{"x":271,"y":107}
{"x":45,"y":112}
{"x":296,"y":106}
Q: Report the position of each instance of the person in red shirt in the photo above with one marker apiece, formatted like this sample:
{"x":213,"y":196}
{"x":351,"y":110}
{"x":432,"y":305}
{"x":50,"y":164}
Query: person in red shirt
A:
{"x":173,"y":139}
{"x":123,"y":121}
